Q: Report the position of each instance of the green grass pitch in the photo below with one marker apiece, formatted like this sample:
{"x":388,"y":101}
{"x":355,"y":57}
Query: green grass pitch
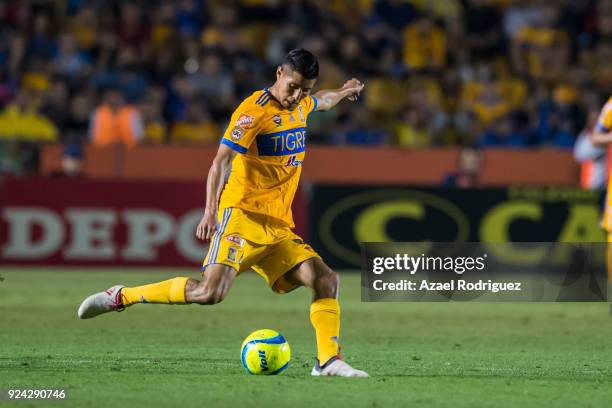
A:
{"x":418,"y":354}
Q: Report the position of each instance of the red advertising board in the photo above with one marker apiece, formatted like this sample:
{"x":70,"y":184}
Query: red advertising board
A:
{"x":86,"y":222}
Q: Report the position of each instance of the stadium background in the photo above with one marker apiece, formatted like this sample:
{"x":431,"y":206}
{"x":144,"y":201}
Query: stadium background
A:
{"x":476,"y":105}
{"x":460,"y":94}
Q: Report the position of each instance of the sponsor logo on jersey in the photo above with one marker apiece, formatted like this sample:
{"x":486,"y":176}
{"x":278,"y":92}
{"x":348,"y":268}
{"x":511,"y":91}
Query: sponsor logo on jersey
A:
{"x":244,"y":121}
{"x":294,"y":162}
{"x":301,"y":112}
{"x":283,"y":143}
{"x":237,"y":133}
{"x":277,"y":120}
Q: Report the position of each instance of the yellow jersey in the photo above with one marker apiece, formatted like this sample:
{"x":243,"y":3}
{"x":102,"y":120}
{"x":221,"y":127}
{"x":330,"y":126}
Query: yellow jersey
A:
{"x":604,"y":125}
{"x":271,"y":145}
{"x":604,"y":122}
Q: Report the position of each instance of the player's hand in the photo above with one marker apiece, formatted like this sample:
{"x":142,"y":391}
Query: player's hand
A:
{"x":353,"y":88}
{"x":207,"y":226}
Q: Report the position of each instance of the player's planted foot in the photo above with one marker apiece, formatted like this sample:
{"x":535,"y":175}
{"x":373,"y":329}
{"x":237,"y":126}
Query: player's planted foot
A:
{"x":338,"y":368}
{"x":102,"y":302}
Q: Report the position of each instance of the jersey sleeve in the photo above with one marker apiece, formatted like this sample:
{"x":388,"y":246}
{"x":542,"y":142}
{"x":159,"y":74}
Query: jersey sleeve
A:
{"x":310,"y":104}
{"x":604,"y":122}
{"x":244,"y":125}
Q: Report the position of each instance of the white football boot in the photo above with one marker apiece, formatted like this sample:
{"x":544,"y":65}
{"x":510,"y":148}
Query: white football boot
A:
{"x":338,"y":368}
{"x":102,"y":302}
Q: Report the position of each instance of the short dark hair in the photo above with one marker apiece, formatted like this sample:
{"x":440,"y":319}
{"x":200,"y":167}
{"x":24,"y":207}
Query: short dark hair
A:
{"x":304,"y":62}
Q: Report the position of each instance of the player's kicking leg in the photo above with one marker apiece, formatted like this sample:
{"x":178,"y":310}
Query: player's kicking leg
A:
{"x":324,"y":315}
{"x":177,"y":291}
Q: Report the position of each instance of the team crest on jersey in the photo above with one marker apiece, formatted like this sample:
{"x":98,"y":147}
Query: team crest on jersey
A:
{"x":301,"y":112}
{"x":244,"y":121}
{"x":237,"y":133}
{"x":277,"y":120}
{"x":291,"y":118}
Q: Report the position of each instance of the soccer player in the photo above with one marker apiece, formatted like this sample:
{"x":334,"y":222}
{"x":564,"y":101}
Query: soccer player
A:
{"x":602,"y":135}
{"x":248,"y":219}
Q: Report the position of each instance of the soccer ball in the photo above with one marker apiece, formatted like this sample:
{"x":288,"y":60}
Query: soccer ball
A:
{"x":265,"y":352}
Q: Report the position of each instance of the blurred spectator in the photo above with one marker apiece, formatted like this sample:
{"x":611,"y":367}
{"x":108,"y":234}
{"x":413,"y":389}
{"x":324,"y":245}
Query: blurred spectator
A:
{"x":72,"y":160}
{"x":69,"y":61}
{"x":190,"y":15}
{"x":469,"y":164}
{"x":22,"y":129}
{"x":438,"y":72}
{"x":22,"y":121}
{"x":197,"y":127}
{"x":85,"y":27}
{"x":424,"y":45}
{"x":8,"y":160}
{"x":503,"y":133}
{"x":360,"y":130}
{"x":132,"y":30}
{"x":559,"y":118}
{"x":413,"y":129}
{"x":115,"y":122}
{"x":519,"y":14}
{"x":540,"y":49}
{"x":155,"y":126}
{"x":56,"y":103}
{"x":482,"y":23}
{"x":77,"y":124}
{"x":210,"y":80}
{"x":395,"y":13}
{"x":598,"y":64}
{"x":43,"y":44}
{"x":352,"y":57}
{"x":179,"y":94}
{"x":7,"y":86}
{"x":557,"y":132}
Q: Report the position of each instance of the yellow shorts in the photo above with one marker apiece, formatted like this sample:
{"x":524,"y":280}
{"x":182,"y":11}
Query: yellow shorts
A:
{"x":246,"y":240}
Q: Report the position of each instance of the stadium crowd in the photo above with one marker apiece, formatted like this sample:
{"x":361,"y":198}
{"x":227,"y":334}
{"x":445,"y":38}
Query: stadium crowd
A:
{"x":478,"y":73}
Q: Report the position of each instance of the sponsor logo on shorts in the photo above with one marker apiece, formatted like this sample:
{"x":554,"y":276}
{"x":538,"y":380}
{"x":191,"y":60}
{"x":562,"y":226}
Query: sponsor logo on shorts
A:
{"x":235,"y":239}
{"x":244,"y":121}
{"x":231,"y":254}
{"x":237,"y":133}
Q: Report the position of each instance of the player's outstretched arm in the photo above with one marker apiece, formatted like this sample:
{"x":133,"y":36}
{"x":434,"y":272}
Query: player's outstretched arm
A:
{"x":601,"y":138}
{"x":214,"y":186}
{"x":328,"y":98}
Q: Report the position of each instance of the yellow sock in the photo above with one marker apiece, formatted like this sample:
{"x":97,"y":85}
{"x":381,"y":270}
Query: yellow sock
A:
{"x":171,"y":291}
{"x":325,"y":318}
